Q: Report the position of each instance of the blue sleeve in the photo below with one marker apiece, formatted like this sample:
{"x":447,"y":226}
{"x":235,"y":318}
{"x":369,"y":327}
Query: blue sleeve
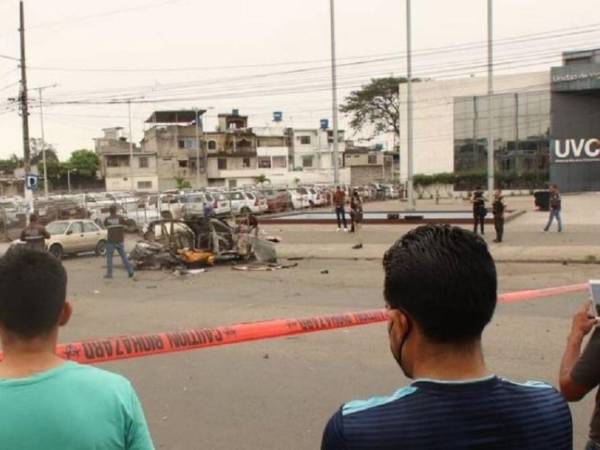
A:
{"x":333,"y":436}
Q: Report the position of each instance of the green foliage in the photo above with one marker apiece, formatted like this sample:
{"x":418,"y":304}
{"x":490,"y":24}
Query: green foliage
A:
{"x":376,"y":104}
{"x":465,"y":181}
{"x":84,"y":162}
{"x":182,"y":183}
{"x":262,"y":179}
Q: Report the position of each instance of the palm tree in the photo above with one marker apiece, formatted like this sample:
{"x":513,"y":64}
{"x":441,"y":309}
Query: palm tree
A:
{"x":262,"y":179}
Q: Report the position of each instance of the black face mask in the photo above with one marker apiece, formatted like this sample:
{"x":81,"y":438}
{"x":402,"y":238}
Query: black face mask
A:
{"x":402,"y":342}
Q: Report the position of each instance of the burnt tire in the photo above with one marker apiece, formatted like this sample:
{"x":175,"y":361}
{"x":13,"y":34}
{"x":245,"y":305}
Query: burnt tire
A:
{"x":56,"y":250}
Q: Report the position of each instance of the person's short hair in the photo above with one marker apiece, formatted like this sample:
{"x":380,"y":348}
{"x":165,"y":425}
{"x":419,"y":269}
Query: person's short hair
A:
{"x":33,"y":218}
{"x":112,"y":209}
{"x":33,"y":286}
{"x":444,"y":278}
{"x":554,"y":186}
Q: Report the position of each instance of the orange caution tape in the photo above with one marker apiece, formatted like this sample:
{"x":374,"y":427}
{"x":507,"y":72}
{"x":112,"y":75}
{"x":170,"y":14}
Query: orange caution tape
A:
{"x":126,"y":347}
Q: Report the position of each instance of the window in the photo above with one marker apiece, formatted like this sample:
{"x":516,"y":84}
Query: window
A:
{"x":305,"y":140}
{"x":307,"y":161}
{"x":183,"y":164}
{"x":76,"y":228}
{"x":372,"y":159}
{"x":279,"y":161}
{"x":212,"y":145}
{"x":233,"y":184}
{"x":264,"y":162}
{"x":144,"y":184}
{"x":222,"y":163}
{"x":143,"y":162}
{"x":246,"y":163}
{"x":90,"y":227}
{"x":187,"y":143}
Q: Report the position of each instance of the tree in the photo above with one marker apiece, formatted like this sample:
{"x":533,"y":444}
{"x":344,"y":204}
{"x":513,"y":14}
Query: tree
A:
{"x":85,"y":162}
{"x":182,"y":183}
{"x":262,"y":179}
{"x":376,"y":104}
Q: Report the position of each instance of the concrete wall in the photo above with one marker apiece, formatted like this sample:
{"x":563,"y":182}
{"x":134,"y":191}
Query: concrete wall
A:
{"x":433,"y":112}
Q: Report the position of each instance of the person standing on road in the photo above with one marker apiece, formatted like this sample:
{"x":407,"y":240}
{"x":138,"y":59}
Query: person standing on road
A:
{"x":115,"y":224}
{"x":580,"y":372}
{"x":555,"y":207}
{"x":35,"y":234}
{"x":498,"y":208}
{"x":46,"y":402}
{"x":440,"y":291}
{"x":356,"y":213}
{"x":339,"y":200}
{"x":479,"y":211}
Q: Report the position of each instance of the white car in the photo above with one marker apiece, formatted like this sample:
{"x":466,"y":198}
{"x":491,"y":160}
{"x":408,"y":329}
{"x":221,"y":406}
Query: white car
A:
{"x":315,"y":196}
{"x":74,"y":236}
{"x":258,"y":202}
{"x":299,"y":198}
{"x":220,"y":204}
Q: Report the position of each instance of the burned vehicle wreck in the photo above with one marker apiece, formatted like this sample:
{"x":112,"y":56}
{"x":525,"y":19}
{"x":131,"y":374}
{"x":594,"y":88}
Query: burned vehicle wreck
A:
{"x":197,"y":242}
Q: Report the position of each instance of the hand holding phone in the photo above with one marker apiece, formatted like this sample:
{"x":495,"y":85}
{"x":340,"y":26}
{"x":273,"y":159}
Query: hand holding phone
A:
{"x":595,"y":292}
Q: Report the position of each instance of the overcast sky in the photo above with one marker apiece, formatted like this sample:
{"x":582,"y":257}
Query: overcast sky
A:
{"x":259,"y":56}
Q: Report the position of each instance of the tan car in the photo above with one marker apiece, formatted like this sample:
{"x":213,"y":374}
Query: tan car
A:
{"x":75,"y":236}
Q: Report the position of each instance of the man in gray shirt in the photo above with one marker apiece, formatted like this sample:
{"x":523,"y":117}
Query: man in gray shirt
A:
{"x":115,"y":224}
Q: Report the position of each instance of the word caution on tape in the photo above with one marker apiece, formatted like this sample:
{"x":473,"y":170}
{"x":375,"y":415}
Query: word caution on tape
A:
{"x":126,"y":347}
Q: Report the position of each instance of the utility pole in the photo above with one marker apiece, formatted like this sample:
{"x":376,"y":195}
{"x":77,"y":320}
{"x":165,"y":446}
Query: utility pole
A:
{"x":490,"y":139}
{"x":334,"y":105}
{"x":25,"y":112}
{"x":197,"y":151}
{"x":40,"y":90}
{"x":409,"y":110}
{"x":130,"y":147}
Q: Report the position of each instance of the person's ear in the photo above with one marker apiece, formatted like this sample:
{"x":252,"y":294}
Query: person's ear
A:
{"x":398,"y":323}
{"x":65,"y":314}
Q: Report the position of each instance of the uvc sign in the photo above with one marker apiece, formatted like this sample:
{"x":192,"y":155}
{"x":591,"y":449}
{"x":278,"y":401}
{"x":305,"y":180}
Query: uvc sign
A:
{"x":576,"y":149}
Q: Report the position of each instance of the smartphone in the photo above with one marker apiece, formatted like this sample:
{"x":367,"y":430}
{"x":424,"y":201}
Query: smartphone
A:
{"x":595,"y":291}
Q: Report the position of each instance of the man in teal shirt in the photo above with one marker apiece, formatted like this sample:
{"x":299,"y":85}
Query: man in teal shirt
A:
{"x":46,"y":402}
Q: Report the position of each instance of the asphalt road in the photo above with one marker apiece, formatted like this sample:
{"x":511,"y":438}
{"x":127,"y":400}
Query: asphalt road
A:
{"x":280,"y":393}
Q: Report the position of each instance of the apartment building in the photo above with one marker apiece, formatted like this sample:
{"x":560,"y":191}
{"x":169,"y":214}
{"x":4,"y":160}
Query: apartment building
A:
{"x":231,"y":152}
{"x":368,"y":164}
{"x":176,"y":138}
{"x":121,"y":170}
{"x":312,"y":149}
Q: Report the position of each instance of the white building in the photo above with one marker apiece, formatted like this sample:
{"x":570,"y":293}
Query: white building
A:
{"x":312,"y":149}
{"x":434,"y":118}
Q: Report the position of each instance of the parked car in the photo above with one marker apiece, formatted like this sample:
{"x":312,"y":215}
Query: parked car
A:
{"x":194,"y":204}
{"x":52,"y":210}
{"x":74,"y":236}
{"x":169,"y":206}
{"x":299,"y":198}
{"x":220,"y":203}
{"x":259,"y":202}
{"x":390,"y":191}
{"x":277,"y":200}
{"x":316,"y":197}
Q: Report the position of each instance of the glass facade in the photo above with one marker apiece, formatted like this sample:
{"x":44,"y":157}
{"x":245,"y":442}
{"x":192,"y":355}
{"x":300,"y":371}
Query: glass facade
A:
{"x":521,"y":129}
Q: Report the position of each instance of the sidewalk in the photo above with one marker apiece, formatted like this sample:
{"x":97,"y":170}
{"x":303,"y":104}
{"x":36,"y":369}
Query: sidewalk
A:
{"x":524,"y":239}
